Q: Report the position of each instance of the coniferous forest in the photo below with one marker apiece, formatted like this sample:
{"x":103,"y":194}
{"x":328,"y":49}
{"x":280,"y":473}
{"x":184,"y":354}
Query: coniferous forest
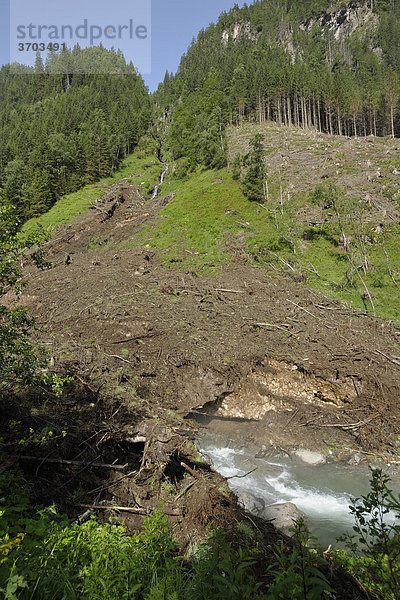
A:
{"x":291,"y":62}
{"x":59,"y":132}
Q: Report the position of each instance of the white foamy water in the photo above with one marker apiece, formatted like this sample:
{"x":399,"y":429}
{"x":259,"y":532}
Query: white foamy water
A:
{"x":311,"y":500}
{"x":162,"y":179}
{"x":322,"y":492}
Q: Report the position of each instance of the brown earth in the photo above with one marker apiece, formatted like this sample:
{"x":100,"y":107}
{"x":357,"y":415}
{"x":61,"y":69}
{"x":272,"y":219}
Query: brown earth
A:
{"x":149,"y":345}
{"x":368,"y":169}
{"x":168,"y":342}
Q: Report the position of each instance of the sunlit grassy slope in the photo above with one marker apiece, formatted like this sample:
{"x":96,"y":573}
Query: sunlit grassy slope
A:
{"x":209,"y":222}
{"x":297,"y":230}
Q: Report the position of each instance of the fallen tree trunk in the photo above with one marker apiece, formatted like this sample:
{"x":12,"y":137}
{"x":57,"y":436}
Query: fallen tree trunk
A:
{"x":75,"y":463}
{"x":129,"y":509}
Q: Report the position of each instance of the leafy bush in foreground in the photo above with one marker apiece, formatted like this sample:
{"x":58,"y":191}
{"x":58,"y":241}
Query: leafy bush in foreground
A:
{"x":18,"y":360}
{"x":101,"y":562}
{"x":377,"y":536}
{"x":43,"y":558}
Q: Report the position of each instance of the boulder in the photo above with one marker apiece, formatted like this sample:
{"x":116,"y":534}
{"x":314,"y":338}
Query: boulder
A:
{"x":250,"y":503}
{"x":282,"y":516}
{"x":268,"y":471}
{"x":310,"y":458}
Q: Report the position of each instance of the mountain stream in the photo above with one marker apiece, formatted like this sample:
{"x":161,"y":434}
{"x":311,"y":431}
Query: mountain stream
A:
{"x":323,"y":492}
{"x":162,"y":179}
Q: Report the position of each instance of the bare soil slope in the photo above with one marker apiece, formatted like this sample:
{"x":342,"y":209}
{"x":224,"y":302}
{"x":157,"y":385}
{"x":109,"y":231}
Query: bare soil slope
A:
{"x":367,"y":168}
{"x":167,"y":343}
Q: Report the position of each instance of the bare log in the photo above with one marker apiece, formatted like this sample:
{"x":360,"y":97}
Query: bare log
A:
{"x":242,"y":476}
{"x":392,"y":360}
{"x":186,"y":489}
{"x":128,"y":509}
{"x":75,"y":463}
{"x":304,"y":309}
{"x":349,"y":426}
{"x":200,"y":478}
{"x":230,"y":291}
{"x":82,"y":519}
{"x":191,"y":471}
{"x":119,"y":358}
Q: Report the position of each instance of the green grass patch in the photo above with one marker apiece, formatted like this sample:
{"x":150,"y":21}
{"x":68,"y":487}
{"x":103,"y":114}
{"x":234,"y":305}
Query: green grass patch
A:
{"x":198,"y":224}
{"x":209,"y":215}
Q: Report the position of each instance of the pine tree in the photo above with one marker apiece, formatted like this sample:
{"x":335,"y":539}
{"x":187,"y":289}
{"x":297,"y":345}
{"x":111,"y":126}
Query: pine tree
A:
{"x":254,"y":180}
{"x":236,"y":167}
{"x":39,"y":66}
{"x":15,"y":189}
{"x":60,"y":127}
{"x":213,"y":142}
{"x":392,"y":93}
{"x":269,"y":67}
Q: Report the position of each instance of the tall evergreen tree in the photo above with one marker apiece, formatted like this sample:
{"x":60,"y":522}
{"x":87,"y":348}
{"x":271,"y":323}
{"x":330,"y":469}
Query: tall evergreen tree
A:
{"x":61,"y":127}
{"x":254,"y":180}
{"x":287,"y":62}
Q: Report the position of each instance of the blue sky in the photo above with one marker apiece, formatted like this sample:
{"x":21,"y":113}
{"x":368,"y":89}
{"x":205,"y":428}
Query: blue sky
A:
{"x":174,"y":24}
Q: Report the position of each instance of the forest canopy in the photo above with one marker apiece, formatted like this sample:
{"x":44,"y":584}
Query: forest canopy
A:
{"x":331,"y":66}
{"x":63,"y":125}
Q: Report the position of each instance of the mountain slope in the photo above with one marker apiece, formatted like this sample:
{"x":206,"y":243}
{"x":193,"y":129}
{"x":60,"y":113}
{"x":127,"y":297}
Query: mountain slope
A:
{"x":160,"y":333}
{"x":60,"y":132}
{"x":200,"y":301}
{"x":333,"y":67}
{"x":330,"y":214}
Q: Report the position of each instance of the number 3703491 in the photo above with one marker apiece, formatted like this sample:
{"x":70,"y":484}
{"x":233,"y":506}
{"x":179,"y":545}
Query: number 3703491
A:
{"x":41,"y":47}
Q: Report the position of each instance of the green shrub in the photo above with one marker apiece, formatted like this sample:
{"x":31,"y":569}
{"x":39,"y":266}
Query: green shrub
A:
{"x":147,"y":146}
{"x":254,"y":181}
{"x":222,"y":572}
{"x":373,"y":553}
{"x":324,"y":194}
{"x":18,"y":359}
{"x":96,"y":561}
{"x":43,"y":558}
{"x":236,"y":167}
{"x":182,"y":167}
{"x":296,"y":575}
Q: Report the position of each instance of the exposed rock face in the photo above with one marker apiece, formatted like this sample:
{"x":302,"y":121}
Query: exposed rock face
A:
{"x":281,"y":385}
{"x":344,"y":22}
{"x":340,"y":23}
{"x":282,"y":516}
{"x":239,"y":30}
